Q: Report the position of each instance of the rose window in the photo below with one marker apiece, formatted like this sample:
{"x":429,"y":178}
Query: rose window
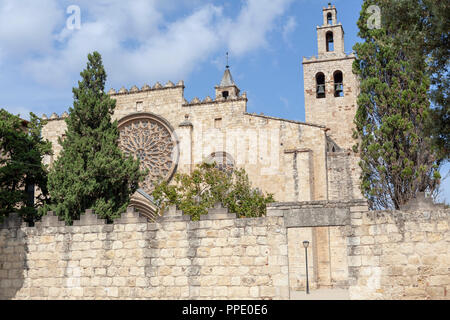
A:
{"x":150,"y":139}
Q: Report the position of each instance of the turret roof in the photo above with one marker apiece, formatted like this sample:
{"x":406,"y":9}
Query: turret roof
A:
{"x":227,"y":79}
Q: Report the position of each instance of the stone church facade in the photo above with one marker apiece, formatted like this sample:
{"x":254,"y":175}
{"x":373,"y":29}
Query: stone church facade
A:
{"x":295,"y":161}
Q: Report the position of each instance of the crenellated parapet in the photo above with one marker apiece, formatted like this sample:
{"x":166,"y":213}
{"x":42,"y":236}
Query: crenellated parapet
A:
{"x":145,"y":88}
{"x":209,"y":100}
{"x":131,"y":216}
{"x":124,"y":91}
{"x":55,"y":116}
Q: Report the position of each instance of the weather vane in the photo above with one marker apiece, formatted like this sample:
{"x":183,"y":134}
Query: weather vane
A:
{"x":227,"y":62}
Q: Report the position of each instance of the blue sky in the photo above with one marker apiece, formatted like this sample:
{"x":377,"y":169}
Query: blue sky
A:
{"x":145,"y":41}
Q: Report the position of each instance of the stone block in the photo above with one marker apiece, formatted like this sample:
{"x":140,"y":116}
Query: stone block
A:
{"x":429,"y":260}
{"x":51,"y":220}
{"x":273,"y":212}
{"x":238,"y":292}
{"x":442,"y":226}
{"x":353,"y":241}
{"x":370,"y":261}
{"x":441,"y":280}
{"x":316,"y":217}
{"x":267,"y":291}
{"x":112,"y":292}
{"x":367,"y":240}
{"x":436,"y":292}
{"x":218,"y":209}
{"x":418,"y":236}
{"x":172,"y":212}
{"x":434,"y":236}
{"x":54,"y":292}
{"x":205,"y":292}
{"x":130,"y":217}
{"x":354,"y":261}
{"x":397,"y":260}
{"x":410,"y":292}
{"x":359,"y":208}
{"x":89,"y":219}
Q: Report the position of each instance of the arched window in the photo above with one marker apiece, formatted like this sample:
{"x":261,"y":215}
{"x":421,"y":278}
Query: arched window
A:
{"x":330,"y":41}
{"x":223,"y":161}
{"x":329,"y":18}
{"x":225,"y":94}
{"x":320,"y":85}
{"x":338,"y":84}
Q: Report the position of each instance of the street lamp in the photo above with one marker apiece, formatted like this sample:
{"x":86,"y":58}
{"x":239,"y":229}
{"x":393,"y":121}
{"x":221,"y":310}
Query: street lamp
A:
{"x":306,"y":244}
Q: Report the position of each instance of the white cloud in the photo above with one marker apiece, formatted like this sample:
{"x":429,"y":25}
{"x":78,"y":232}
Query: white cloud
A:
{"x":285,"y":102}
{"x":256,"y":20}
{"x":174,"y":53}
{"x":138,"y":40}
{"x":27,"y":26}
{"x":289,"y":27}
{"x":170,"y":53}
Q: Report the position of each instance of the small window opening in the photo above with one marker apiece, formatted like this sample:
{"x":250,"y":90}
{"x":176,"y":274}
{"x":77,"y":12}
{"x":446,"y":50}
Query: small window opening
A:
{"x":320,"y":85}
{"x":225,"y":94}
{"x":330,"y":42}
{"x":338,"y":84}
{"x":330,"y":18}
{"x":218,"y":123}
{"x":139,"y":106}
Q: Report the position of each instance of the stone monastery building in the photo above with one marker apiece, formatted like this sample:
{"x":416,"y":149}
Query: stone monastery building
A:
{"x":296,"y":161}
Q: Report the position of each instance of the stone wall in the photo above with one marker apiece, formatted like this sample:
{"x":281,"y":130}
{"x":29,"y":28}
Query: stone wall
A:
{"x":343,"y":176}
{"x":219,"y":257}
{"x":400,"y":255}
{"x":376,"y":255}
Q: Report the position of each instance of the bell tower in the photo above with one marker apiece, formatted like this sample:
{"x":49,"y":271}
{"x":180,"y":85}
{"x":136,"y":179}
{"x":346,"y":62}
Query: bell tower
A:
{"x":331,"y":34}
{"x":331,"y":88}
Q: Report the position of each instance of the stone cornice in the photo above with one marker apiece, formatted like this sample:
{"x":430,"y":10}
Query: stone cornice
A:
{"x":315,"y":59}
{"x":285,"y":120}
{"x":210,"y":101}
{"x":297,"y":150}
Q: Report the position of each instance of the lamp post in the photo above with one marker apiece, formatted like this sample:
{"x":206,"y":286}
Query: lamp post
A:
{"x":306,"y":244}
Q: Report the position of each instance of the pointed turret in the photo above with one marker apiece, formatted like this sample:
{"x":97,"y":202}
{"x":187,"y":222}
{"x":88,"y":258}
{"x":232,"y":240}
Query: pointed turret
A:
{"x":227,"y":79}
{"x":227,"y":88}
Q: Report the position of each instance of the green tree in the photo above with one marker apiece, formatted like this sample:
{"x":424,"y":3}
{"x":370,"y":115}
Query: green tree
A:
{"x":428,"y":23}
{"x":194,"y":194}
{"x":92,"y":172}
{"x":398,"y":155}
{"x":21,"y":168}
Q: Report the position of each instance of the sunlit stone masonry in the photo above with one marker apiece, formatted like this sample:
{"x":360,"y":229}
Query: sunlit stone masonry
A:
{"x":365,"y":254}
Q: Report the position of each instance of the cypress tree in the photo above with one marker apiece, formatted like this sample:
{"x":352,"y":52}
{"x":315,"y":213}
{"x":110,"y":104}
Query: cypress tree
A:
{"x":428,"y":23}
{"x":398,"y":156}
{"x":92,"y":172}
